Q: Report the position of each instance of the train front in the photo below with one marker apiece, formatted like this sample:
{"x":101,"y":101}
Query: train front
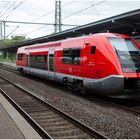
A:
{"x":128,"y":52}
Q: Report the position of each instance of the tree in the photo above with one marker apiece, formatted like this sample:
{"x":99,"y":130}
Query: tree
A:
{"x":17,"y":39}
{"x":6,"y":43}
{"x":13,"y":41}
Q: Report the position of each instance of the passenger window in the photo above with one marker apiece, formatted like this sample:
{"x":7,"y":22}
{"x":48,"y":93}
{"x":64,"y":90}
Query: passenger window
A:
{"x":66,"y":57}
{"x":71,"y":56}
{"x":38,"y":61}
{"x":93,"y":49}
{"x":20,"y":55}
{"x":75,"y":55}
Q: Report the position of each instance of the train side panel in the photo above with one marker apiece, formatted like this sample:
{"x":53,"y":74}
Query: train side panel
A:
{"x":68,"y":61}
{"x":90,"y":63}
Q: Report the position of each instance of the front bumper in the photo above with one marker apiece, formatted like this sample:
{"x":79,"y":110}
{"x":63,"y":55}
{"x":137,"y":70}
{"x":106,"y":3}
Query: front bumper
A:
{"x":113,"y":85}
{"x":109,"y":85}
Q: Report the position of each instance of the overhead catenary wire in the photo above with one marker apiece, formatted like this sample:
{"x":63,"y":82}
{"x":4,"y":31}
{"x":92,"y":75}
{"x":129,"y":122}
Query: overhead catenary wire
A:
{"x":12,"y":31}
{"x":44,"y":27}
{"x":83,"y":9}
{"x":13,"y":10}
{"x":7,"y":9}
{"x":51,"y":11}
{"x":36,"y":29}
{"x":43,"y":16}
{"x":64,"y":17}
{"x":46,"y":15}
{"x":97,"y":12}
{"x":5,"y":6}
{"x":69,"y":15}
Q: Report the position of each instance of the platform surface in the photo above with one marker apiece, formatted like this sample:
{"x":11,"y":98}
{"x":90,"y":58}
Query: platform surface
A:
{"x":12,"y":124}
{"x":8,"y":128}
{"x":9,"y":64}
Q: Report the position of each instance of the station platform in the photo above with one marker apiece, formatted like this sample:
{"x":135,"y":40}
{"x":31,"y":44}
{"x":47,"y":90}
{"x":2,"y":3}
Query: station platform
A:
{"x":12,"y":124}
{"x":9,"y":64}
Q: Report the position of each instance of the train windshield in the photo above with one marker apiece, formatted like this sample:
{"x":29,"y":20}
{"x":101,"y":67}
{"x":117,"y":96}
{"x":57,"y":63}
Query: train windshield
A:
{"x":128,"y":53}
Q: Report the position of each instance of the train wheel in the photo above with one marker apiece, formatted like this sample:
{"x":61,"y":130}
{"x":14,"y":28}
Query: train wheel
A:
{"x":78,"y":87}
{"x":81,"y":88}
{"x":65,"y":82}
{"x":70,"y":86}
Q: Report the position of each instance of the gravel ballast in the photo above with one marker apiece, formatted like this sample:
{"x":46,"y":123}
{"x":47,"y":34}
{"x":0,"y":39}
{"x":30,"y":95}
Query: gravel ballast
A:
{"x":109,"y":120}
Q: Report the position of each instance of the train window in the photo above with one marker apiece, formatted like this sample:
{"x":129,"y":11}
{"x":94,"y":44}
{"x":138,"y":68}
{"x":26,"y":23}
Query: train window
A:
{"x":71,"y":56}
{"x":75,"y":55}
{"x":38,"y":61}
{"x":66,"y":52}
{"x":66,"y":56}
{"x":20,"y":55}
{"x":93,"y":49}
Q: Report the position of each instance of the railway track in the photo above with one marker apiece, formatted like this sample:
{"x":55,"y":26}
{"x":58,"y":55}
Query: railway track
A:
{"x":132,"y":105}
{"x":134,"y":109}
{"x":47,"y":120}
{"x":7,"y":68}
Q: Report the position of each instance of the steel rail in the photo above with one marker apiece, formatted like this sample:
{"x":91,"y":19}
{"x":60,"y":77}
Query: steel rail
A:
{"x":76,"y":122}
{"x":135,"y":111}
{"x":38,"y":129}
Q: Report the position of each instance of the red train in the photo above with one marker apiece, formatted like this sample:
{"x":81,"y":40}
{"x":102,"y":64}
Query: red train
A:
{"x":104,"y":63}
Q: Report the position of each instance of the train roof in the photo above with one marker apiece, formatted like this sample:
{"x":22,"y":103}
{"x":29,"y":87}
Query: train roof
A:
{"x":58,"y":43}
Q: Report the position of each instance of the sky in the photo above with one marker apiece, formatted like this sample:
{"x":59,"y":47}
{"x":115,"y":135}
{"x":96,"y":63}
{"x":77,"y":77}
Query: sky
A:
{"x":74,"y":12}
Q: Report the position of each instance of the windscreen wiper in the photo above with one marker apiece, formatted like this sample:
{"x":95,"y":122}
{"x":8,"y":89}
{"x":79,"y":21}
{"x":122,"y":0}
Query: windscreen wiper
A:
{"x":125,"y":54}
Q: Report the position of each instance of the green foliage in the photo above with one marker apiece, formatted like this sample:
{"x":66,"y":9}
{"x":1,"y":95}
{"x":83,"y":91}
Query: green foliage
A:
{"x":13,"y":41}
{"x":8,"y":57}
{"x":6,"y":43}
{"x":17,"y":39}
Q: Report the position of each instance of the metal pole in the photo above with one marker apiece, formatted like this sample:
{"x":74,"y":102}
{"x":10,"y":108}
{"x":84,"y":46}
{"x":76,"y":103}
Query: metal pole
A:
{"x":58,"y":24}
{"x":1,"y":30}
{"x":1,"y":43}
{"x":4,"y":29}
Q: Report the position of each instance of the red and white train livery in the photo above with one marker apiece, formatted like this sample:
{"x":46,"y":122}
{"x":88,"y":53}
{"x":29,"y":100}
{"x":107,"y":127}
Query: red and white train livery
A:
{"x":104,"y":63}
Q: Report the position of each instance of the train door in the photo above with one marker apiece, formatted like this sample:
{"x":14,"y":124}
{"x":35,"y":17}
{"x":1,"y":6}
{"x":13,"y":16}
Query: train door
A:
{"x":51,"y":71}
{"x":27,"y":62}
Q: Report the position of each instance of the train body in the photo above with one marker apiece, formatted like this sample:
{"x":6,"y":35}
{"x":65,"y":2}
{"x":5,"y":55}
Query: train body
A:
{"x":104,"y":63}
